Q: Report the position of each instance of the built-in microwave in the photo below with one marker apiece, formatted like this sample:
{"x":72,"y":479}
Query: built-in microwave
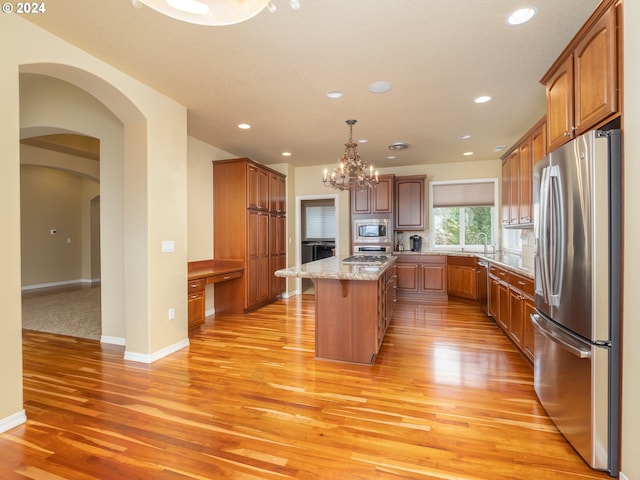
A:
{"x":371,"y":231}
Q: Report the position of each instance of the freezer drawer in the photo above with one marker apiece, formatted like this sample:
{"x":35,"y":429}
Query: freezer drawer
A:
{"x":571,"y":381}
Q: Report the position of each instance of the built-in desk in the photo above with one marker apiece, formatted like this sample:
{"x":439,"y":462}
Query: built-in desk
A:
{"x":228,"y":294}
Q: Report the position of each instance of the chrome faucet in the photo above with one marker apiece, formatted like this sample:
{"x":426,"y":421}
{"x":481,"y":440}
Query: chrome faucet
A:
{"x":485,"y":241}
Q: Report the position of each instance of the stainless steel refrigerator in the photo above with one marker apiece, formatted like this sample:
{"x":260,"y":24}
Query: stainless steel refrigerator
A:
{"x":577,"y":229}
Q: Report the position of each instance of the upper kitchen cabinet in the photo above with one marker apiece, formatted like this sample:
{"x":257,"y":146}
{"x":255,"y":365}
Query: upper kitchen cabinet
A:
{"x":374,"y":200}
{"x":582,"y":85}
{"x":409,"y":203}
{"x":517,"y":176}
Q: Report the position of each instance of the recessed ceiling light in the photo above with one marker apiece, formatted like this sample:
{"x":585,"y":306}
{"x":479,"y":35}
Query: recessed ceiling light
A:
{"x":244,"y":126}
{"x":391,"y":157}
{"x":520,"y":16}
{"x":334,"y":94}
{"x":467,"y":153}
{"x":498,"y":148}
{"x":380,"y":87}
{"x":363,"y":140}
{"x":286,"y":154}
{"x":482,"y":99}
{"x":464,"y":136}
{"x":398,"y":146}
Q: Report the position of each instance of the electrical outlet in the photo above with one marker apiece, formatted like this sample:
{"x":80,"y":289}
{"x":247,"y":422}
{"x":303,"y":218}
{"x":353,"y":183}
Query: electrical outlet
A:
{"x":172,"y":313}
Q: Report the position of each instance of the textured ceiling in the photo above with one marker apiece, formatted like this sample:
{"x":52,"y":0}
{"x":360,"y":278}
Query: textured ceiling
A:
{"x":273,"y":72}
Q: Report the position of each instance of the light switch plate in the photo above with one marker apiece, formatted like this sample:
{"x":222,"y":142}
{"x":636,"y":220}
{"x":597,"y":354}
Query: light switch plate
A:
{"x":168,"y":246}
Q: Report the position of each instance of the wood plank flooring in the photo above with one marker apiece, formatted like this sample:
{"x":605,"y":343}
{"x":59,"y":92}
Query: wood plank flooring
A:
{"x":448,"y":398}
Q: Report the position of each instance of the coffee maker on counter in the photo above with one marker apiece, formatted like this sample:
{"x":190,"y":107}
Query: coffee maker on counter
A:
{"x":416,"y":243}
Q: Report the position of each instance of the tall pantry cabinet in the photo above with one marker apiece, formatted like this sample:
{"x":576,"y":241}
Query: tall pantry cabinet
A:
{"x":249,"y":223}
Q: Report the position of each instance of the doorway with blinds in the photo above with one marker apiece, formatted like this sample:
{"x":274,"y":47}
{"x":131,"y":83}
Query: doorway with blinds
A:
{"x":317,"y":232}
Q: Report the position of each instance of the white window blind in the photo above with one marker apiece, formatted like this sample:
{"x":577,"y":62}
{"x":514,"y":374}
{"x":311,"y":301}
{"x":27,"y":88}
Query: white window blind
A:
{"x":320,"y":221}
{"x":468,"y":194}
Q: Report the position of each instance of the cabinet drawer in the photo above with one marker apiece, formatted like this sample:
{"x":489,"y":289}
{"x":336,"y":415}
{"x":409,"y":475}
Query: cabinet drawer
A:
{"x":461,"y":260}
{"x":196,"y":285}
{"x":498,"y":272}
{"x":223,"y":277}
{"x":524,"y":284}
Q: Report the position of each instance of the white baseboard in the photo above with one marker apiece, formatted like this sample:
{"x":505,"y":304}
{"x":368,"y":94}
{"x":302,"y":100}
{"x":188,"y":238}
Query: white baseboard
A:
{"x":150,"y":358}
{"x":623,"y":476}
{"x":291,"y":294}
{"x":209,"y":312}
{"x":78,"y":281}
{"x":112,"y":340}
{"x":11,"y":421}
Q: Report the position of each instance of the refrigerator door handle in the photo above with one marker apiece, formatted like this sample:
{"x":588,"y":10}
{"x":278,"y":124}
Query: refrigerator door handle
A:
{"x":543,"y":235}
{"x":557,"y":236}
{"x":567,"y":342}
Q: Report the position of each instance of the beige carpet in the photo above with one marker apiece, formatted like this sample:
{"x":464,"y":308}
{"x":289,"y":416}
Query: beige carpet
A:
{"x":75,"y":313}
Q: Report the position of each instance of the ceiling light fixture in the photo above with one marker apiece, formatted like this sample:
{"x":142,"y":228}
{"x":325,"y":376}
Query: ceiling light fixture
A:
{"x":398,"y":146}
{"x":380,"y":87}
{"x":352,"y":172}
{"x":212,"y":12}
{"x":244,"y":126}
{"x":334,"y":94}
{"x":286,"y":154}
{"x":482,"y":99}
{"x":520,"y":16}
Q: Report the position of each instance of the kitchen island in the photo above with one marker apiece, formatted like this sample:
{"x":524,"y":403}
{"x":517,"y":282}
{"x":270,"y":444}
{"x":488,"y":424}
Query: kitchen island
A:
{"x":354,"y":306}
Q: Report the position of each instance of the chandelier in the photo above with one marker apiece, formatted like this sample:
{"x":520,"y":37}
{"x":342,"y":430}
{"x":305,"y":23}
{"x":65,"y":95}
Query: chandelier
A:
{"x":352,"y":172}
{"x":212,"y":12}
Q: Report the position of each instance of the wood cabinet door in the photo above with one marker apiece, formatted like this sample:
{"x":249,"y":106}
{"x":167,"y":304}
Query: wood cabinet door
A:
{"x":434,"y":278}
{"x":506,"y":191}
{"x":196,"y":311}
{"x":504,"y":314}
{"x":560,"y":106}
{"x":514,"y":187}
{"x":525,"y":183}
{"x":596,"y":80}
{"x":263,"y":257}
{"x":277,"y":193}
{"x":253,"y":187}
{"x":462,"y":281}
{"x":494,"y":297}
{"x":383,"y":195}
{"x":539,"y":143}
{"x":516,"y":317}
{"x":409,"y":205}
{"x":407,"y":277}
{"x":528,"y":335}
{"x":360,"y":201}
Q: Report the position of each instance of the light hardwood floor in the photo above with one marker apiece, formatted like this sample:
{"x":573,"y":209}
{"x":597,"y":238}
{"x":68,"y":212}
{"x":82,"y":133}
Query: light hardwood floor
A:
{"x":448,"y":398}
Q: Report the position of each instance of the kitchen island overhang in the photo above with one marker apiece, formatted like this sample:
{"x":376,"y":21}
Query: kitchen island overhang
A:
{"x":353,"y":306}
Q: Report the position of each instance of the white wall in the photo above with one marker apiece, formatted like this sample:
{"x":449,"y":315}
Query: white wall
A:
{"x":143,"y":200}
{"x":631,"y":303}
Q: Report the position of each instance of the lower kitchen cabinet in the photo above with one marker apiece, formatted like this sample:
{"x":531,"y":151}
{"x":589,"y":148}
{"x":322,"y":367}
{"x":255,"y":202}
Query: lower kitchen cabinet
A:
{"x":195,"y":305}
{"x":462,"y":277}
{"x":387,"y":297}
{"x":421,"y":276}
{"x":511,"y":304}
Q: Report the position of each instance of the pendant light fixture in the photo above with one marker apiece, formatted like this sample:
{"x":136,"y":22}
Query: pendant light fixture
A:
{"x":211,"y":12}
{"x":352,"y":172}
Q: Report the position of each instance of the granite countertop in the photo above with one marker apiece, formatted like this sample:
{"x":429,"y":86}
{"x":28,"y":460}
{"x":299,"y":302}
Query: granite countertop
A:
{"x":333,"y":268}
{"x":507,"y":261}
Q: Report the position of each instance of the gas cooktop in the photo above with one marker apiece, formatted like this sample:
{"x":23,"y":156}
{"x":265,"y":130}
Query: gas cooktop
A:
{"x":366,"y":260}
